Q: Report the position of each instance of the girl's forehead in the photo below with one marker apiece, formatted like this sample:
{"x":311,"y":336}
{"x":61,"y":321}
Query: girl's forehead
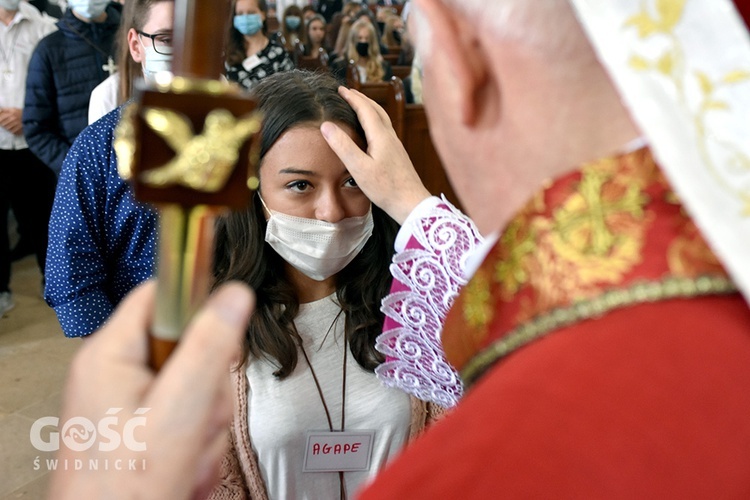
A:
{"x":303,"y":149}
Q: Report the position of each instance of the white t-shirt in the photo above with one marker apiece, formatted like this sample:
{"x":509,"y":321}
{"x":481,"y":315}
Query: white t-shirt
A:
{"x":104,"y":97}
{"x":281,"y":412}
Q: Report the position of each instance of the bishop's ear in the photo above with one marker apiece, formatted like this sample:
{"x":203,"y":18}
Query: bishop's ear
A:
{"x":454,"y":61}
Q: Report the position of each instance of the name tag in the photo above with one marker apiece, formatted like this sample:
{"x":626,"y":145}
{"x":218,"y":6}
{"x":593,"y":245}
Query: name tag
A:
{"x":338,"y":451}
{"x":251,"y":62}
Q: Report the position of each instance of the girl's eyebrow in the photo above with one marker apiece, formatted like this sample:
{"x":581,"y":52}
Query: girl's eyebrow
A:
{"x":297,"y":171}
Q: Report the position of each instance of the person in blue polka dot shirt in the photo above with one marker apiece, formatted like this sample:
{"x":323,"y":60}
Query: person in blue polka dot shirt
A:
{"x":101,"y":241}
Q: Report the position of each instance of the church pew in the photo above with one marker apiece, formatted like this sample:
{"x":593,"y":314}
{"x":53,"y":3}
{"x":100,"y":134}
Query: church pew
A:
{"x":390,"y":95}
{"x":401,"y":71}
{"x":315,"y":62}
{"x":391,"y":58}
{"x":410,"y":123}
{"x":421,"y":150}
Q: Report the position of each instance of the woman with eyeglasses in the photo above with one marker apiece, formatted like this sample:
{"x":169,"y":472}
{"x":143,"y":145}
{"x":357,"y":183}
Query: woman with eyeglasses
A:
{"x":143,"y":46}
{"x":251,"y":55}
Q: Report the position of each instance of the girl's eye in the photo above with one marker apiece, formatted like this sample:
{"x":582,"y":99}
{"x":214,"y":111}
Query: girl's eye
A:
{"x":351,"y":182}
{"x":298,"y":185}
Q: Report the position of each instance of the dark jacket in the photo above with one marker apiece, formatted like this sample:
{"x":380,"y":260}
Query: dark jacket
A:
{"x":63,"y":71}
{"x":327,"y":8}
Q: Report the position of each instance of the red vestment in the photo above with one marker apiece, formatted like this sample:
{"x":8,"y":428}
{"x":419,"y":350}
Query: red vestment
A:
{"x":606,"y":355}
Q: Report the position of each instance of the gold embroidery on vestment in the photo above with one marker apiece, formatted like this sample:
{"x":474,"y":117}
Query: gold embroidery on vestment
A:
{"x":644,"y":292}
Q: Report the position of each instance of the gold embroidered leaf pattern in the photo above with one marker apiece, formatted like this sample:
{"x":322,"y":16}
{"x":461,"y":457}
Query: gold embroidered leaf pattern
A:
{"x":746,"y":203}
{"x":665,"y":64}
{"x":670,"y":13}
{"x":510,"y":271}
{"x":477,"y":305}
{"x":705,"y":82}
{"x":645,"y":24}
{"x":688,"y":255}
{"x":739,"y":162}
{"x":736,"y":76}
{"x":717,"y":105}
{"x":639,"y":63}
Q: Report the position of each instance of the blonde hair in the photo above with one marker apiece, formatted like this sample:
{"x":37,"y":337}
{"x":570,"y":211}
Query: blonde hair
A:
{"x":388,"y":39}
{"x":374,"y":65}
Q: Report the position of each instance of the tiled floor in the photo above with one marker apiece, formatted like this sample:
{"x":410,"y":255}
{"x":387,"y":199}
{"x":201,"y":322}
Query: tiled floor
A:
{"x":34,"y":357}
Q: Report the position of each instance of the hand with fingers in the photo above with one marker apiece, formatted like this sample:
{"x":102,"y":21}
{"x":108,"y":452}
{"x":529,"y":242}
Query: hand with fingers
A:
{"x":10,"y":119}
{"x":186,"y":406}
{"x":384,"y":172}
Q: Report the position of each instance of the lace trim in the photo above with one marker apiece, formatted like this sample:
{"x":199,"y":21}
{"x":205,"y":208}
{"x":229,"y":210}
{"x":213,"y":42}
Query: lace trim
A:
{"x":432,"y":270}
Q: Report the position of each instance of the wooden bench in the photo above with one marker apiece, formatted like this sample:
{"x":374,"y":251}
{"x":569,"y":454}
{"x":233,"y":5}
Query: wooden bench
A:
{"x":391,"y":58}
{"x":390,"y":95}
{"x":315,"y":62}
{"x":419,"y":146}
{"x":401,"y":71}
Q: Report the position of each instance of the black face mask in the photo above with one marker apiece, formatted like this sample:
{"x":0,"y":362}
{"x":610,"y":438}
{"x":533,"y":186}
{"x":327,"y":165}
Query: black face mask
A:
{"x":363,"y":48}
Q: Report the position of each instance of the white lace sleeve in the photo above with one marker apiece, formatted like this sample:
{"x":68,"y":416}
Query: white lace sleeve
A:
{"x":427,"y":276}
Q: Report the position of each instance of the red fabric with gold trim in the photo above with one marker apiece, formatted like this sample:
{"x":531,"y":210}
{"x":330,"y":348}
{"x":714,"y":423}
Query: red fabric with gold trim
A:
{"x":613,"y":224}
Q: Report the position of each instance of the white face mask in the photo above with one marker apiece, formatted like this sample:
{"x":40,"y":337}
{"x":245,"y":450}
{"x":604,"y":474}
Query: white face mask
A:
{"x":89,"y":9}
{"x":9,"y":4}
{"x":316,"y":248}
{"x":154,"y":62}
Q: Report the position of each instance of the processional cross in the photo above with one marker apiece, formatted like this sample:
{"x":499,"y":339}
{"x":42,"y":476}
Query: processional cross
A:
{"x":187,"y":144}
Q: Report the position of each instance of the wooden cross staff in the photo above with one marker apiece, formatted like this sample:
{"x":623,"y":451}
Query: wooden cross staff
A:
{"x":188,"y":145}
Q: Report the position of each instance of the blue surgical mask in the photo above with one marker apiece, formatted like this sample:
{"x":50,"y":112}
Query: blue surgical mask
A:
{"x":248,"y":24}
{"x":292,"y":22}
{"x":89,"y":9}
